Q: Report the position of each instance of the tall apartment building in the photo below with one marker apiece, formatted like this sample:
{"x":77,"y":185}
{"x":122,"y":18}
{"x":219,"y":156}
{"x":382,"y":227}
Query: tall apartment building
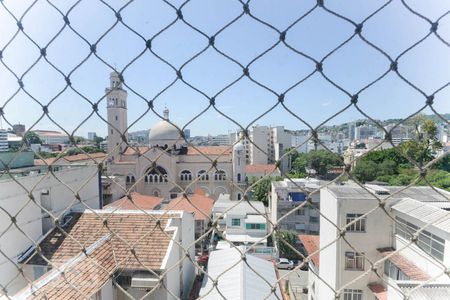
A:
{"x":365,"y":132}
{"x":376,"y":239}
{"x":268,"y":145}
{"x":3,"y":140}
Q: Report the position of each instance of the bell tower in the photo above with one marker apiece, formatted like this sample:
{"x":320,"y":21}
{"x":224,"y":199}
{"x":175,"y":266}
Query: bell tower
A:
{"x":117,"y":115}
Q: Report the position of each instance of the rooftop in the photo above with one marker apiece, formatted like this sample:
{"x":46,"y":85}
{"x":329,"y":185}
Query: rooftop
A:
{"x":239,"y":279}
{"x":106,"y":252}
{"x":420,"y":193}
{"x":312,"y":245}
{"x":264,"y":169}
{"x":137,"y":202}
{"x":198,"y":204}
{"x":406,"y":266}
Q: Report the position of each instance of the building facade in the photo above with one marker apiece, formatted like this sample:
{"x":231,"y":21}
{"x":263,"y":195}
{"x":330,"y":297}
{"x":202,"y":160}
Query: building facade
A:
{"x":288,"y":199}
{"x":50,"y":197}
{"x":3,"y":140}
{"x":167,"y":165}
{"x":376,"y":237}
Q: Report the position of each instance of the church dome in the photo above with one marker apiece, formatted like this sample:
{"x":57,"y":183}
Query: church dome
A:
{"x":164,"y":133}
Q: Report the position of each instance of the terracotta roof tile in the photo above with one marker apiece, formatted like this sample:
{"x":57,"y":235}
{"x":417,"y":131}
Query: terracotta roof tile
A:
{"x":265,"y":169}
{"x":210,"y":150}
{"x":406,"y":266}
{"x":311,"y":244}
{"x":106,"y":252}
{"x":137,"y":202}
{"x":198,"y":204}
{"x":379,"y":291}
{"x":98,"y":156}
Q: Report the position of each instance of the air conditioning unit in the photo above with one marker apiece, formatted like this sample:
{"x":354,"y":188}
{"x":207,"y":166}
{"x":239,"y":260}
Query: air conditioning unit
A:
{"x":144,"y":282}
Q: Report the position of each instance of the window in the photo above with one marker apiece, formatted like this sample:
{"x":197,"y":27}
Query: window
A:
{"x":239,"y":196}
{"x":314,"y":219}
{"x":427,"y":241}
{"x":117,"y":118}
{"x":255,"y":226}
{"x":300,"y":212}
{"x":239,"y":177}
{"x":235,"y":222}
{"x":111,"y":131}
{"x":393,"y":272}
{"x":220,"y":175}
{"x":186,"y":175}
{"x":351,"y":294}
{"x":203,"y":175}
{"x":354,"y":261}
{"x":358,"y":226}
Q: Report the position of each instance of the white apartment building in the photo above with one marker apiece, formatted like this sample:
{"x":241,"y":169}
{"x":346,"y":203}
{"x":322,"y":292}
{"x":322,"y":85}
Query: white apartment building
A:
{"x":364,"y":132}
{"x":220,"y":140}
{"x":92,"y":136}
{"x":50,"y":137}
{"x":376,"y":238}
{"x":240,"y":222}
{"x":300,"y":142}
{"x":267,"y":146}
{"x":286,"y":196}
{"x":47,"y":192}
{"x":3,"y":140}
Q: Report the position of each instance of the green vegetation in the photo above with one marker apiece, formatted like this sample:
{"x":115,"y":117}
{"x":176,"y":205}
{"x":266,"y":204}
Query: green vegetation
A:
{"x":321,"y":161}
{"x":392,"y":166}
{"x":32,"y":138}
{"x":286,"y":240}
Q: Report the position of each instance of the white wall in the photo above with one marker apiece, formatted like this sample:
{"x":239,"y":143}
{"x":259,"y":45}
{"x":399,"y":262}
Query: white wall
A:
{"x":327,"y":256}
{"x":14,"y":198}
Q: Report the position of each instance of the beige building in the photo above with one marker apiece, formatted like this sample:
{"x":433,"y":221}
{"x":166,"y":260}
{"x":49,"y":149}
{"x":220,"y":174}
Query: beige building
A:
{"x":167,"y":166}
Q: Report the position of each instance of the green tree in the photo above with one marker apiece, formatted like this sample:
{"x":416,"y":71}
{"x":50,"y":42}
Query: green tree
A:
{"x":32,"y":137}
{"x":261,"y":190}
{"x":321,"y":161}
{"x":366,"y":171}
{"x":286,"y":240}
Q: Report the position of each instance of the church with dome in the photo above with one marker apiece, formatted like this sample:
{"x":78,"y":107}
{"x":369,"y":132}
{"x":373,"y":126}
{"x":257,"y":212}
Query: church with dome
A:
{"x":167,"y":166}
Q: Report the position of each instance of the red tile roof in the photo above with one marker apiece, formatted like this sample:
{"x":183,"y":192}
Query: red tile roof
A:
{"x":210,"y":150}
{"x":265,"y":169}
{"x":379,"y":291}
{"x":137,"y":202}
{"x":106,"y":252}
{"x":199,"y":204}
{"x":206,"y":150}
{"x":134,"y":150}
{"x":91,"y":157}
{"x":312,"y":245}
{"x":406,"y":266}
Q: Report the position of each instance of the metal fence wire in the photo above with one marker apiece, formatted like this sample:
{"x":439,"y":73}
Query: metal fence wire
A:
{"x":93,"y":258}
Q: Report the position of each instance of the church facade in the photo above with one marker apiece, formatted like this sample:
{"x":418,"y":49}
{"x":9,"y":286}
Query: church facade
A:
{"x":167,"y":166}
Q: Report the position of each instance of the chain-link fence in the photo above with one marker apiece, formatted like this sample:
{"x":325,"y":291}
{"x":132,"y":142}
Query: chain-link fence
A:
{"x":81,"y":224}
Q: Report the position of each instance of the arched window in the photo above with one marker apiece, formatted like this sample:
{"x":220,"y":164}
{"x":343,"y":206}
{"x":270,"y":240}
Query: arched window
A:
{"x":239,"y":177}
{"x":156,"y":175}
{"x":239,"y":196}
{"x":220,"y":175}
{"x":146,"y":178}
{"x":133,"y":180}
{"x":128,"y":179}
{"x":203,"y":175}
{"x":186,"y":175}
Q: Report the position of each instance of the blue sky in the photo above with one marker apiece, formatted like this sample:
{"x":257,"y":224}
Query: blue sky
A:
{"x":353,"y":66}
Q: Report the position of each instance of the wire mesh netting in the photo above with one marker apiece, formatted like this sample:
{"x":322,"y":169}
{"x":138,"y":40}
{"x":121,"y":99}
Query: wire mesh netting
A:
{"x":83,"y":224}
